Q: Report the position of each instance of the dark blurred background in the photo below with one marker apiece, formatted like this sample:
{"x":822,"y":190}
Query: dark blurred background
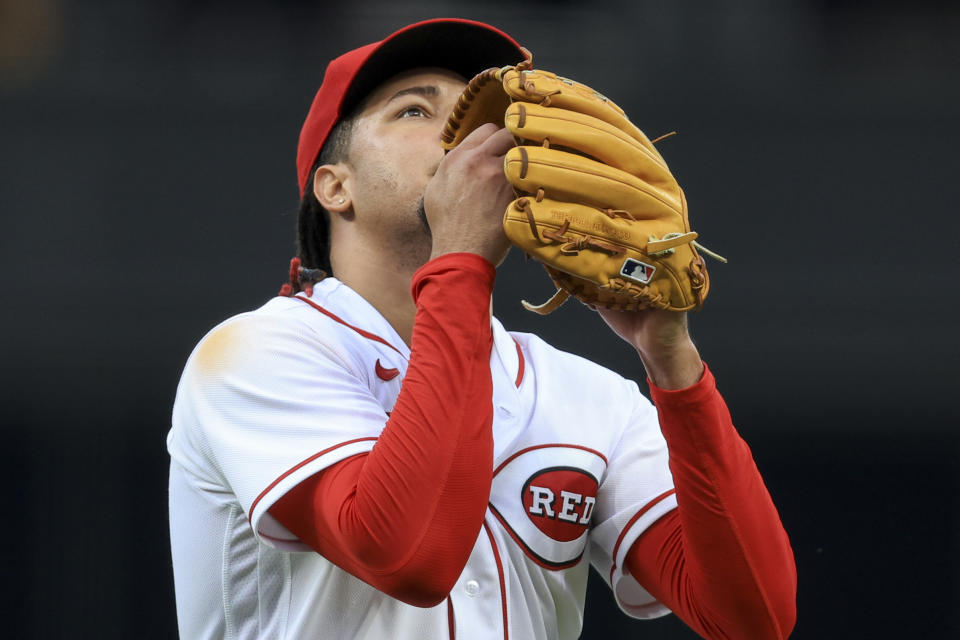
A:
{"x":148,"y":191}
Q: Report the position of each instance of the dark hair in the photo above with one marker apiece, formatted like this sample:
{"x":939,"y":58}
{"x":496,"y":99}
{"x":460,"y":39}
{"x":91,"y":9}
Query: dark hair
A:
{"x":313,"y":221}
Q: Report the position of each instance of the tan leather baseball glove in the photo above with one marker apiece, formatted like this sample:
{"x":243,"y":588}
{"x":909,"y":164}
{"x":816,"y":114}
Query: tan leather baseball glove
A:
{"x":597,"y":204}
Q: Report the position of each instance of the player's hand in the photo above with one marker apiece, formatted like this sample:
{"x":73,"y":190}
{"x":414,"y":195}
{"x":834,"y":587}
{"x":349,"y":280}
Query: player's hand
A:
{"x":663,"y":342}
{"x":466,"y":198}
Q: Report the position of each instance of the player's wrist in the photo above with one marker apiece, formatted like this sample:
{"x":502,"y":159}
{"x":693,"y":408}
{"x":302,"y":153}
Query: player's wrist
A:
{"x":441,"y":251}
{"x":492,"y":248}
{"x":673,"y":365}
{"x":459,"y":265}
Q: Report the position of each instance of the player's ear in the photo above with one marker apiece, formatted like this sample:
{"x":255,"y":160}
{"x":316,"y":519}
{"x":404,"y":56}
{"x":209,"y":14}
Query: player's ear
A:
{"x":331,"y":187}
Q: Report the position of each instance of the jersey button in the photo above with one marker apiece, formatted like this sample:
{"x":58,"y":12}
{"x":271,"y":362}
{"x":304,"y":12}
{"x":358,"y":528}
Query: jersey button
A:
{"x":472,"y":588}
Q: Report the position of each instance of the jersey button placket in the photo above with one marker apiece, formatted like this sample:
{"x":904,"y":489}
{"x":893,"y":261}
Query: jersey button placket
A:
{"x":476,"y":596}
{"x":472,"y":588}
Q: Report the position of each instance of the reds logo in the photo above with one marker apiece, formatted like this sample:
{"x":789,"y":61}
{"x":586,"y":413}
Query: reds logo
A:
{"x":559,"y":501}
{"x":545,"y":497}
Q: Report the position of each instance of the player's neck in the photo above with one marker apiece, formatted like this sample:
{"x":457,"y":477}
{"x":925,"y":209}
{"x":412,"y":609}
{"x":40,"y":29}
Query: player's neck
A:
{"x":386,"y":288}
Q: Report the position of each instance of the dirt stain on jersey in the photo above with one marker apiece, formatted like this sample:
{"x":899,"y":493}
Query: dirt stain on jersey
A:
{"x":221,"y":349}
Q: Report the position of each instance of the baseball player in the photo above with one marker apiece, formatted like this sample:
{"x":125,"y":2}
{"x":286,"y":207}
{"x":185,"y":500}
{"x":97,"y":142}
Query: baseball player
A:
{"x":372,"y":455}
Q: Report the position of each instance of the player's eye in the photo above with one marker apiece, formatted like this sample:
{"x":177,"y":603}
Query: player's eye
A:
{"x":413,"y":111}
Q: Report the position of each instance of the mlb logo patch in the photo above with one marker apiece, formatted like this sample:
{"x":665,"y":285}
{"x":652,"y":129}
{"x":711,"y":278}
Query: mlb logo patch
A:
{"x":638,"y":271}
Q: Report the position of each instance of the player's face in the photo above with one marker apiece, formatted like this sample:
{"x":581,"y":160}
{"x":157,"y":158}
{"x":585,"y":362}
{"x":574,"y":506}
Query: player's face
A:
{"x":395,"y":150}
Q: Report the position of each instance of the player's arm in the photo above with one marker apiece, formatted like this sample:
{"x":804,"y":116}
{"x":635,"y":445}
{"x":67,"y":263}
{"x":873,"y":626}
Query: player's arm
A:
{"x":722,"y":561}
{"x":405,"y":517}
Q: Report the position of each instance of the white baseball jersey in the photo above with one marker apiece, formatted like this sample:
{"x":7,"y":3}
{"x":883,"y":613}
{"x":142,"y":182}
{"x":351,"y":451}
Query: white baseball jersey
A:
{"x":271,"y":397}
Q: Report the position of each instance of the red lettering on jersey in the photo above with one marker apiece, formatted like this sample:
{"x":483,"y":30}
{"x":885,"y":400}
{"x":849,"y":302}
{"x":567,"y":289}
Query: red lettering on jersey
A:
{"x":559,"y":501}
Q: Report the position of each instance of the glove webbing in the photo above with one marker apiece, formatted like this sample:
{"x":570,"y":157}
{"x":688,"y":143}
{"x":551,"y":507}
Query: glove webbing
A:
{"x":471,"y":92}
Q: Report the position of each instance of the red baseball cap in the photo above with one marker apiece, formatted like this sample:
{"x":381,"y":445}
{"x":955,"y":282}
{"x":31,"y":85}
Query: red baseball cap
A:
{"x":464,"y":46}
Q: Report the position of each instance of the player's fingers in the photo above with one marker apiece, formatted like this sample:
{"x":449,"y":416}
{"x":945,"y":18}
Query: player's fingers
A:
{"x":499,"y":143}
{"x":478,"y":136}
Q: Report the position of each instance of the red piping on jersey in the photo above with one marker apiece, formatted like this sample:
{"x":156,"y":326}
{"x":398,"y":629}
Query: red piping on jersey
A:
{"x":503,"y":585}
{"x":544,"y":446}
{"x":365,"y":334}
{"x":550,"y":566}
{"x":451,"y":623}
{"x":297,"y":466}
{"x":272,"y":539}
{"x":520,"y":365}
{"x":629,"y":524}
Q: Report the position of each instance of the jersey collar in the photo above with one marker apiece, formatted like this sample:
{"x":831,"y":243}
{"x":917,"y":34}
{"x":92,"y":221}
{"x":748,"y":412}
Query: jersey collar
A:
{"x":353,"y":309}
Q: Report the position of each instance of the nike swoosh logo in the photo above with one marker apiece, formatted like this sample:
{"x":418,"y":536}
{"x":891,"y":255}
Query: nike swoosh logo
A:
{"x":384,"y":373}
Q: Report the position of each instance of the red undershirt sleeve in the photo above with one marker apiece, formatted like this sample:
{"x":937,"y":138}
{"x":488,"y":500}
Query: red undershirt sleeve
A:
{"x":404,"y":517}
{"x":722,"y":561}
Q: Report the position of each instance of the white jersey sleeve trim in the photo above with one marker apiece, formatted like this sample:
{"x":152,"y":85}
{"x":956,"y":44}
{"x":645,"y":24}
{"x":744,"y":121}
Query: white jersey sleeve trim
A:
{"x":265,"y":526}
{"x":632,"y":598}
